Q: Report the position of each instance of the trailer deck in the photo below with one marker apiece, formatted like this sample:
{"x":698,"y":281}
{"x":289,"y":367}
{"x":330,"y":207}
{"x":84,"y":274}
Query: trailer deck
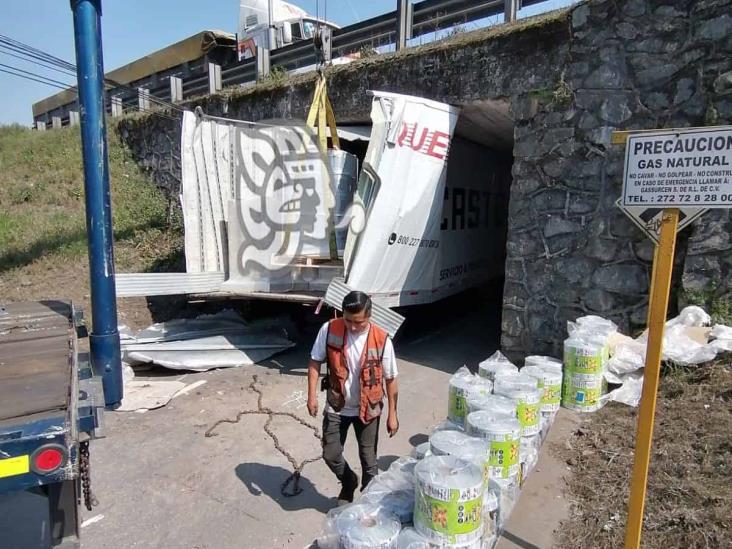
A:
{"x":37,"y":357}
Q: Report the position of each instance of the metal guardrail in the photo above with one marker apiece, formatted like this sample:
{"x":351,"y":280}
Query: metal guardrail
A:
{"x":428,"y":16}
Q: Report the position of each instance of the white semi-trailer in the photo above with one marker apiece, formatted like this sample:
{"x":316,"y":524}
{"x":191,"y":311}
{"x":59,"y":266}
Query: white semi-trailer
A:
{"x":423,"y":218}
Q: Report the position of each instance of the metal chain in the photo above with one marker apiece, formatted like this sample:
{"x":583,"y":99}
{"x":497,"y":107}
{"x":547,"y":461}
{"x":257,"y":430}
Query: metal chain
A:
{"x":294,"y":477}
{"x":85,"y":473}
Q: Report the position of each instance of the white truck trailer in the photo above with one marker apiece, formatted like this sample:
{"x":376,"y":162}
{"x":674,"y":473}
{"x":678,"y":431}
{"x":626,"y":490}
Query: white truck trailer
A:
{"x":266,"y":217}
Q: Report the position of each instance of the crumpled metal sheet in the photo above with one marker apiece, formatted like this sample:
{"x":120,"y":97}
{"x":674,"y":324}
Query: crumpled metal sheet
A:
{"x":221,"y":340}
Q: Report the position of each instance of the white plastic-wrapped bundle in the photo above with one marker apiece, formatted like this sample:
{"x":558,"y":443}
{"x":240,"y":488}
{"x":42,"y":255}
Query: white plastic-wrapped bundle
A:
{"x":461,"y":445}
{"x":359,"y":526}
{"x":404,"y":466}
{"x":393,"y":490}
{"x":422,"y":450}
{"x":490,"y":514}
{"x":530,"y":447}
{"x":449,"y":501}
{"x":507,"y":492}
{"x":409,"y":538}
{"x":496,"y":363}
{"x":550,"y":385}
{"x":447,"y":425}
{"x":464,"y":384}
{"x":513,"y":380}
{"x":592,"y":324}
{"x":529,"y":401}
{"x":543,"y":361}
{"x":496,"y":404}
{"x":399,"y":503}
{"x":503,"y":435}
{"x":585,"y":356}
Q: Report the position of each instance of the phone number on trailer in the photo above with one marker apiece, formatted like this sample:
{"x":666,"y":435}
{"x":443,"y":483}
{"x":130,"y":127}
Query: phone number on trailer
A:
{"x":411,"y":241}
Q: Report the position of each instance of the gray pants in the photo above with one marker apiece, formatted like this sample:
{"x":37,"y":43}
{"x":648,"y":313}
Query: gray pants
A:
{"x":335,"y":431}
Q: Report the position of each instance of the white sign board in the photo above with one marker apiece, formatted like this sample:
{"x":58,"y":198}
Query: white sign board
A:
{"x":648,"y":220}
{"x":677,"y":168}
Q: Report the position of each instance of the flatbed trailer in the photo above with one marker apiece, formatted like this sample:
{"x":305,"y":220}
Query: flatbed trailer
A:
{"x":51,"y":405}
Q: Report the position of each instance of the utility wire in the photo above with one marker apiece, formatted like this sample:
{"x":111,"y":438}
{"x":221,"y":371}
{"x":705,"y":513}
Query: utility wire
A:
{"x":35,"y":79}
{"x":29,"y":59}
{"x":35,"y":74}
{"x":50,"y":61}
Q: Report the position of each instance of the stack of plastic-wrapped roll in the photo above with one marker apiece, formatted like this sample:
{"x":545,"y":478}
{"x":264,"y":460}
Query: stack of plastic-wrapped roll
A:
{"x":586,"y":352}
{"x":449,"y":501}
{"x":503,"y":434}
{"x":464,"y":384}
{"x":496,"y":365}
{"x":360,"y":526}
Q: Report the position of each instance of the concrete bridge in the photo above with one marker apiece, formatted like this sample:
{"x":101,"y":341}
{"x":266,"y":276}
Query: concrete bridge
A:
{"x":548,"y":92}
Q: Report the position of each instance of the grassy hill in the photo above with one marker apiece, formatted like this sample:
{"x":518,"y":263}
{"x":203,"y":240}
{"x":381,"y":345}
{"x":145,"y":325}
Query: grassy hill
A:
{"x":42,"y":221}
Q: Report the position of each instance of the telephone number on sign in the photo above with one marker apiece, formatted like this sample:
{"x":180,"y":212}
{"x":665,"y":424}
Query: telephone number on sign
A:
{"x":699,"y":198}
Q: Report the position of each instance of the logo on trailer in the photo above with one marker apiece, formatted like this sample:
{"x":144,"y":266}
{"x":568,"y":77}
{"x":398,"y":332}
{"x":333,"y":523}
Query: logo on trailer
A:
{"x":423,"y":140}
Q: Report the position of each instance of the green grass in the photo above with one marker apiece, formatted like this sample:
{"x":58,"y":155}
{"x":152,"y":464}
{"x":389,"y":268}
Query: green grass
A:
{"x":42,"y":202}
{"x":717,"y":304}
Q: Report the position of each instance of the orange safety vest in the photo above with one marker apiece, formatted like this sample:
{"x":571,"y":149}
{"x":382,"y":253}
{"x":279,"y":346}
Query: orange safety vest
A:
{"x":371,"y":378}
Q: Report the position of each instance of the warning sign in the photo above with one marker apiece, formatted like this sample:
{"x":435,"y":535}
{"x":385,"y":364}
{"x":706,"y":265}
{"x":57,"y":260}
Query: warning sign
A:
{"x":679,"y":168}
{"x":649,"y":220}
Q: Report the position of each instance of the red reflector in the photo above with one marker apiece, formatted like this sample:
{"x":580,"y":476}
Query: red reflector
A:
{"x":48,"y":460}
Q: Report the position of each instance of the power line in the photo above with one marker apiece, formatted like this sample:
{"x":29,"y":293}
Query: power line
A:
{"x":35,"y":74}
{"x":41,"y":58}
{"x":34,"y":79}
{"x":30,"y":59}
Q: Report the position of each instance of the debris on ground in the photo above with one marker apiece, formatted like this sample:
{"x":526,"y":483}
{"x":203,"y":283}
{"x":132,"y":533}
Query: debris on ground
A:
{"x":221,"y":340}
{"x":687,"y":341}
{"x":141,"y":395}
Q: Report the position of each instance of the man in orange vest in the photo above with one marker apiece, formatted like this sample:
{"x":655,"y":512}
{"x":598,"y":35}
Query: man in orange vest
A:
{"x":361,"y":363}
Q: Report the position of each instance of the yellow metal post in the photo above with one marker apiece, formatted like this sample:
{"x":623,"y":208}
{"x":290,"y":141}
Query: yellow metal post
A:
{"x":661,"y":285}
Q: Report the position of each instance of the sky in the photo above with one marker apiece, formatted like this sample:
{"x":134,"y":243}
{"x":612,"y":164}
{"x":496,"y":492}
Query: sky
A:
{"x":133,"y":28}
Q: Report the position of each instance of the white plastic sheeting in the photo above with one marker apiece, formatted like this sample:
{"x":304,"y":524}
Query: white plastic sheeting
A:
{"x":209,"y":341}
{"x":680,"y":345}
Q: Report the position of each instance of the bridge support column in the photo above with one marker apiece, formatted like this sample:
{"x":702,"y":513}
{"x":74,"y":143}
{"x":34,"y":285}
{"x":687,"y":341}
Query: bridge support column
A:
{"x":176,"y":89}
{"x":404,"y":23}
{"x":117,"y":105}
{"x":512,"y":7}
{"x":143,"y":99}
{"x":214,"y":78}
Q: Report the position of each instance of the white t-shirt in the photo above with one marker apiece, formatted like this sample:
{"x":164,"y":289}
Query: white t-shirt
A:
{"x":354,"y":351}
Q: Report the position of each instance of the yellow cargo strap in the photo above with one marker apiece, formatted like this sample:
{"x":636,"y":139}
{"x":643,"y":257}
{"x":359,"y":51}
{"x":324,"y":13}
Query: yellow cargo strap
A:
{"x":320,"y":114}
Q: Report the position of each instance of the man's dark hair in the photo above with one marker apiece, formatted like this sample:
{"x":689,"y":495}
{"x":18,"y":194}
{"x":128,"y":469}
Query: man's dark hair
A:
{"x":355,"y":302}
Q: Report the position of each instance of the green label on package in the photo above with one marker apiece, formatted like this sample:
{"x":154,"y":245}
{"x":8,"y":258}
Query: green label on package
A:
{"x":528,"y":416}
{"x":585,"y":360}
{"x":455,"y":521}
{"x":504,"y":458}
{"x":457,"y":406}
{"x":552,"y":394}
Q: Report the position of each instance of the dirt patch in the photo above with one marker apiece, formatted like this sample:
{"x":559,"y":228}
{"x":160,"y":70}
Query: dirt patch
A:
{"x":689,"y":500}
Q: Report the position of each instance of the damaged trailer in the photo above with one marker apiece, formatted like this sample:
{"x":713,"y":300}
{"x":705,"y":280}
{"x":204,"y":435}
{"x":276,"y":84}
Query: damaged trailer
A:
{"x":266,"y":216}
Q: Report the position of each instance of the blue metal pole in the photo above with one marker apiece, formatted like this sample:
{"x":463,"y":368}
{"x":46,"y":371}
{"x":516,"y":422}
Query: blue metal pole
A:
{"x":104,"y":337}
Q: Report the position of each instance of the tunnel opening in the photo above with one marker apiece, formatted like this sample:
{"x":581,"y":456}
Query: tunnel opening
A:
{"x":465,"y":327}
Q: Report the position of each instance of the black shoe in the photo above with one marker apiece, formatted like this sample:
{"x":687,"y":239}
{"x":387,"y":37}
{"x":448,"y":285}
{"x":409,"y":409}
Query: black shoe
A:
{"x":349,"y":485}
{"x":365,"y":479}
